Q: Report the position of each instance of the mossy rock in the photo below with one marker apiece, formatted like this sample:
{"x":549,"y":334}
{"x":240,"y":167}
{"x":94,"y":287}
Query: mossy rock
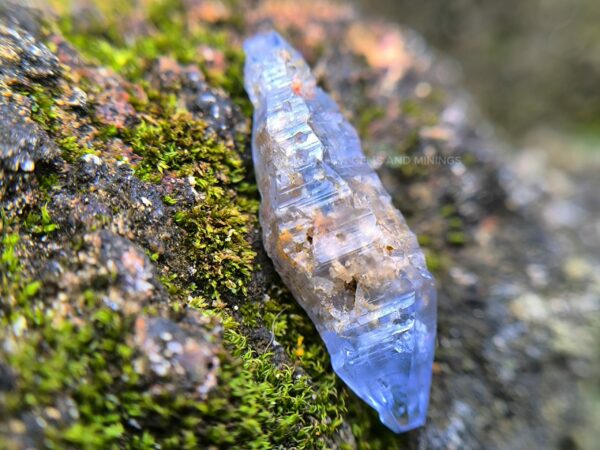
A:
{"x":139,"y":309}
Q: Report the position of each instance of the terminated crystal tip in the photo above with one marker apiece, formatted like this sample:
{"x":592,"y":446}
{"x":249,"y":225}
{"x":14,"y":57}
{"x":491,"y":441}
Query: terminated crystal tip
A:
{"x":343,"y":250}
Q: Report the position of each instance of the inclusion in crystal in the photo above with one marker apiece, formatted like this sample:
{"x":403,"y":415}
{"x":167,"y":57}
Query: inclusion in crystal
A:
{"x":343,"y":250}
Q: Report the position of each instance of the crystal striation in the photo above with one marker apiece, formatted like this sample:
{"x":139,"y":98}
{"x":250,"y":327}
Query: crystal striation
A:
{"x":344,"y":251}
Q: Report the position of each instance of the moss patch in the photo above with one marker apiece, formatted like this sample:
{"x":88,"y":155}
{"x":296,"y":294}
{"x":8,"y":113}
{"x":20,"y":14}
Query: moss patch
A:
{"x":275,"y":386}
{"x":105,"y":42}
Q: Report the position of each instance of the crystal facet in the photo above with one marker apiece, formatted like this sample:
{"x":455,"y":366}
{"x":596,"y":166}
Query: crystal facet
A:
{"x":344,"y":251}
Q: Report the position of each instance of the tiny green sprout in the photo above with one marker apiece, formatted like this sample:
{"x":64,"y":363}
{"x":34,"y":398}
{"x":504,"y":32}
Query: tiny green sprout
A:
{"x":168,"y":200}
{"x":40,"y":223}
{"x":9,"y":258}
{"x":30,"y":290}
{"x":456,"y":237}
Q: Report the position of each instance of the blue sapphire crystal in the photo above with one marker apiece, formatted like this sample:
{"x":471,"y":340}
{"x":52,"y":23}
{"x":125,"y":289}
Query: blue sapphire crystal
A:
{"x":344,"y":251}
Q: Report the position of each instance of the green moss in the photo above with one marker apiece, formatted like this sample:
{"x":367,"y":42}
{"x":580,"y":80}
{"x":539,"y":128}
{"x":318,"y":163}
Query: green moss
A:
{"x":217,"y":242}
{"x":172,"y":37}
{"x":61,"y":358}
{"x":9,"y":261}
{"x":422,"y":111}
{"x":45,"y":111}
{"x":296,"y":403}
{"x":216,"y":228}
{"x":256,"y":405}
{"x":332,"y":402}
{"x":264,"y":406}
{"x":455,"y":234}
{"x":88,"y":359}
{"x":437,"y":261}
{"x":40,"y":222}
{"x":369,"y":114}
{"x":173,"y":143}
{"x":42,"y":105}
{"x":170,"y":201}
{"x":410,"y":142}
{"x":71,"y":149}
{"x":47,"y":181}
{"x":456,"y":237}
{"x":182,"y":145}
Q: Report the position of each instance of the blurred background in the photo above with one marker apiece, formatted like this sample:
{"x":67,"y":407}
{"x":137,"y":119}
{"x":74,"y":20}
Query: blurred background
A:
{"x":533,"y":69}
{"x":533,"y":65}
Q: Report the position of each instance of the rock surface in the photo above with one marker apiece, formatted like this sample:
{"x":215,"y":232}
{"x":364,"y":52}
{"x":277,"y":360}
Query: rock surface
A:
{"x":138,"y":307}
